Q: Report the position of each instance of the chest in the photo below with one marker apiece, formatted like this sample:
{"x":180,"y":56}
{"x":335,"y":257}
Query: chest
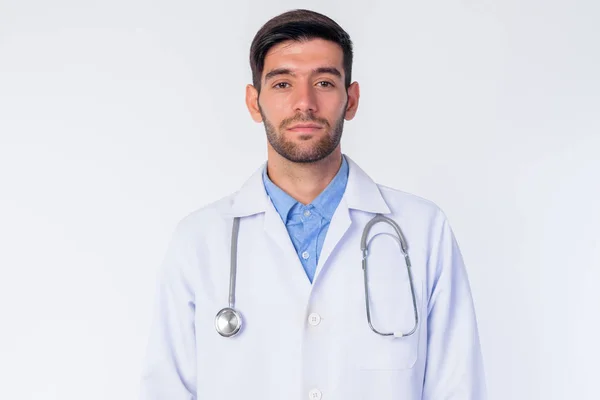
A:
{"x":320,"y":331}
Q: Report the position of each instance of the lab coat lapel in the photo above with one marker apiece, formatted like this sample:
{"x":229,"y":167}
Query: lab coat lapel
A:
{"x":252,"y":199}
{"x":340,"y":222}
{"x":285,"y":254}
{"x":362,"y":194}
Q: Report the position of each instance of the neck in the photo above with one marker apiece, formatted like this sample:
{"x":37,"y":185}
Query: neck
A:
{"x":303,"y":181}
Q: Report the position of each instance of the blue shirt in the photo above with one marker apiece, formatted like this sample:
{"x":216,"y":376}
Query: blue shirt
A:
{"x":307,"y":225}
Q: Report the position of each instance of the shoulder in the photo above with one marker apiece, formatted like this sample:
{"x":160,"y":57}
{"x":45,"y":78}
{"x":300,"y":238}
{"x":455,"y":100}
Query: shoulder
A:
{"x":209,"y":217}
{"x":402,"y":202}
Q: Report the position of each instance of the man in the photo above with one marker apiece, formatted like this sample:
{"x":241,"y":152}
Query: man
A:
{"x":284,"y":252}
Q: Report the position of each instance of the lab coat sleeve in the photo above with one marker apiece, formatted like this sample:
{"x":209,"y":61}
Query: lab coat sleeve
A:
{"x":454,"y":367}
{"x":169,"y":367}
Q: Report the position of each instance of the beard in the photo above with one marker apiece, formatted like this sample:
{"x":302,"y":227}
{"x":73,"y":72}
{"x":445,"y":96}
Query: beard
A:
{"x":297,"y":152}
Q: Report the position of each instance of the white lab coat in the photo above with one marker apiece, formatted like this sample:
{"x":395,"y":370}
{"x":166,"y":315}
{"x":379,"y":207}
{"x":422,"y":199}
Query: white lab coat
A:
{"x":281,"y":352}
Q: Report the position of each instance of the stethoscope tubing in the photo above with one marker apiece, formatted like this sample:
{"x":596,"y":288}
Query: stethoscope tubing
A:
{"x":225,"y":315}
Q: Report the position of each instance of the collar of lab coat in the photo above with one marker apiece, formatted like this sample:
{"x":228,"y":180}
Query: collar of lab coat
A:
{"x":362,"y":193}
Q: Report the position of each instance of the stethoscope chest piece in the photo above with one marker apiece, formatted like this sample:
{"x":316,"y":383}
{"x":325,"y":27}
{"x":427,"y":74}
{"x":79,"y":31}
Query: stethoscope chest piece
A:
{"x":228,"y":322}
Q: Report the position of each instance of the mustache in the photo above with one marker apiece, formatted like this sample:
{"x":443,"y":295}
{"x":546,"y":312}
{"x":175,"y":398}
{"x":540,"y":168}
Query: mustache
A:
{"x":303,"y":118}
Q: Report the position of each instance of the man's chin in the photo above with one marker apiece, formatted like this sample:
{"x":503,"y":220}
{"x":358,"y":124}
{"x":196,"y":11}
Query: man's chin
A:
{"x":305,"y":157}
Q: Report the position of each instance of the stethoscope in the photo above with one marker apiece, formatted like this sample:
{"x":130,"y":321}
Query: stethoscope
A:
{"x":228,"y":320}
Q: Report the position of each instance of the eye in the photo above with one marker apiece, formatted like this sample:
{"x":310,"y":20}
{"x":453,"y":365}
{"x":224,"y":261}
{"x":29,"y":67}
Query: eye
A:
{"x":325,"y":84}
{"x":280,"y":85}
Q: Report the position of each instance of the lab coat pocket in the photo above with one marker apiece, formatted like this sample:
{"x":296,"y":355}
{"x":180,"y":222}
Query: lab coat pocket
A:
{"x":392,"y":310}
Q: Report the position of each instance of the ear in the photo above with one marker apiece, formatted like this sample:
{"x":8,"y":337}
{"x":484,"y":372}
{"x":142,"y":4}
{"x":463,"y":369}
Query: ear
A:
{"x":252,"y":103}
{"x":353,"y":97}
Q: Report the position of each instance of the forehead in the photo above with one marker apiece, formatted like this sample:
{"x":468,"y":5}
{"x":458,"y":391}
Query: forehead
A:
{"x":304,"y":55}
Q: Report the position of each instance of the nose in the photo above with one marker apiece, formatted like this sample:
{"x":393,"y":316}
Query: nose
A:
{"x":305,"y":98}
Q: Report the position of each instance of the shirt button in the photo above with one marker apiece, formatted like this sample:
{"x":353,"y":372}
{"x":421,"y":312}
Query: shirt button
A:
{"x":307,"y":213}
{"x":305,"y":255}
{"x":314,"y":319}
{"x":315,"y":394}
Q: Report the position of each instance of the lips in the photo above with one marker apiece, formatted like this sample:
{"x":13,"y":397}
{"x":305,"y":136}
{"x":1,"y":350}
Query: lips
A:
{"x":305,"y":127}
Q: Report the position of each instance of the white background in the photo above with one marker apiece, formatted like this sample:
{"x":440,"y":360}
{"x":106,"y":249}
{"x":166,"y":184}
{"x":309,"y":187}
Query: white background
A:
{"x":119,"y":117}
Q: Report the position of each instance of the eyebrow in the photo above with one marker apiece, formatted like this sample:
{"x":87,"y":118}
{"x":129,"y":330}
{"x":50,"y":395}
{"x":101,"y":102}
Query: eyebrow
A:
{"x":286,"y":71}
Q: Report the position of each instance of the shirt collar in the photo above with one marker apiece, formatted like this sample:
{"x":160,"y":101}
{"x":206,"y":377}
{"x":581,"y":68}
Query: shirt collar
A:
{"x":362,"y":193}
{"x":325,"y":203}
{"x":282,"y":201}
{"x":328,"y":200}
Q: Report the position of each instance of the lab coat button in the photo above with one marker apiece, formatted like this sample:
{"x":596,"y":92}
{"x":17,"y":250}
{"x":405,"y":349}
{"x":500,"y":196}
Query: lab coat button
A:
{"x":315,"y":394}
{"x":314,"y":319}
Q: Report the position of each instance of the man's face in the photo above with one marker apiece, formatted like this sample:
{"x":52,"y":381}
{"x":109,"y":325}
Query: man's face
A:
{"x":303,"y":100}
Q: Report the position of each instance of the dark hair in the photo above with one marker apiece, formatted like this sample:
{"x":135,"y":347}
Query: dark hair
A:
{"x":298,"y":25}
